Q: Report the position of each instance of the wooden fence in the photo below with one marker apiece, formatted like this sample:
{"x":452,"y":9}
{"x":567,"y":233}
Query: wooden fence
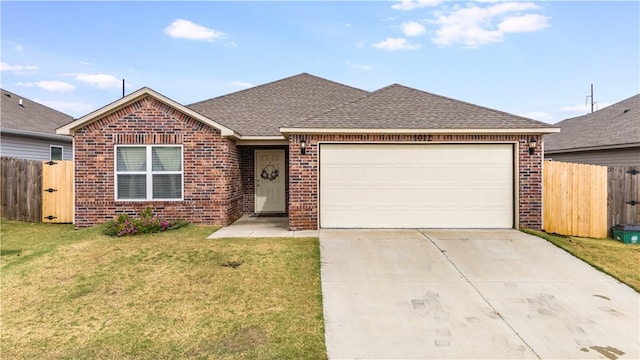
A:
{"x":624,"y":196}
{"x":21,"y":189}
{"x":36,"y":191}
{"x":587,"y":200}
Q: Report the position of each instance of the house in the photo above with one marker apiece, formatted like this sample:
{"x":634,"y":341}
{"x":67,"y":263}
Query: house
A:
{"x":610,"y":136}
{"x":28,"y":130}
{"x":328,"y":155}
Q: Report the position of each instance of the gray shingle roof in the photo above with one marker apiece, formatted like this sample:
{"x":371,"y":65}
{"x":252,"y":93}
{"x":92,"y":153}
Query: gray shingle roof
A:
{"x":262,"y":110}
{"x":401,"y":107}
{"x":31,"y":116}
{"x":615,"y":125}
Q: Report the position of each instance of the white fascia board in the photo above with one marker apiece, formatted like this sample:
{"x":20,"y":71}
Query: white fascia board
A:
{"x":71,"y":127}
{"x":417,"y":131}
{"x":262,"y":140}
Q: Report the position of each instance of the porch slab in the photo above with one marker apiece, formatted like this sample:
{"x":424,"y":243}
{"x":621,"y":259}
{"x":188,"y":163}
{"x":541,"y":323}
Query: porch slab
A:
{"x":260,"y":226}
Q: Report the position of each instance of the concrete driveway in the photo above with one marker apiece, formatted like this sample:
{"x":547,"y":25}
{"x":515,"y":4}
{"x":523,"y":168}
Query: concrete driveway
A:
{"x":472,"y":294}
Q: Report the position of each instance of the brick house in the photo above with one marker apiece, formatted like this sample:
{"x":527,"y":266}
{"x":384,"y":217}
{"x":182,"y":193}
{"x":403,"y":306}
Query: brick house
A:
{"x":325,"y":154}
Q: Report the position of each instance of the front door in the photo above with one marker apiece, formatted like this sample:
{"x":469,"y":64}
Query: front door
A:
{"x":270,"y":181}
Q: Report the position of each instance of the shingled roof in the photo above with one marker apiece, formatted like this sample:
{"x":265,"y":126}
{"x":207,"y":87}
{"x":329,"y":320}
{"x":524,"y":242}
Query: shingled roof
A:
{"x":401,"y":107}
{"x":617,"y":125}
{"x":31,"y":117}
{"x":262,"y":110}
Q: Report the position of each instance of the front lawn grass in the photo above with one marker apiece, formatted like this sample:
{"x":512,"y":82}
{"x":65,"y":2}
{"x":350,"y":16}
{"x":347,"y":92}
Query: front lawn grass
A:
{"x":622,"y":261}
{"x":83,"y":295}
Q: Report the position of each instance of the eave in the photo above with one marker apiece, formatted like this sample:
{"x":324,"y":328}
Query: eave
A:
{"x":38,"y":135}
{"x":520,"y":131}
{"x":262,"y":140}
{"x":70,"y":128}
{"x":593,"y":148}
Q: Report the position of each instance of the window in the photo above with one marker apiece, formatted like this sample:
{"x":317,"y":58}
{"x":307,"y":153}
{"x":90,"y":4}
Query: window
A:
{"x":55,"y":152}
{"x":149,"y":172}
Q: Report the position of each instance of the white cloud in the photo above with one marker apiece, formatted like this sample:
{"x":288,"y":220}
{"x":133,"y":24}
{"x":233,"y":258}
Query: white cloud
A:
{"x":524,"y":23}
{"x":102,"y":81}
{"x":231,"y":44}
{"x":19,"y":48}
{"x":242,"y":84}
{"x":17,"y":68}
{"x":393,"y":44}
{"x":185,"y":29}
{"x":407,"y":5}
{"x":52,"y":85}
{"x":68,"y":107}
{"x":413,"y":28}
{"x":474,"y":25}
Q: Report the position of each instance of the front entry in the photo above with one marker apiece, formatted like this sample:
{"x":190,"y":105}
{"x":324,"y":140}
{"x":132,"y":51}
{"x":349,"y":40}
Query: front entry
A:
{"x":270,"y":181}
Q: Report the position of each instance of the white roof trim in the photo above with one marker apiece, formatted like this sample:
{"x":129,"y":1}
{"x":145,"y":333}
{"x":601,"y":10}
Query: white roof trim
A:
{"x":71,"y":127}
{"x":261,"y":138}
{"x":417,"y":131}
{"x":242,"y":142}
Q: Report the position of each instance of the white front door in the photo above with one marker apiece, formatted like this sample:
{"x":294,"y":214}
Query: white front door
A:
{"x":270,"y":181}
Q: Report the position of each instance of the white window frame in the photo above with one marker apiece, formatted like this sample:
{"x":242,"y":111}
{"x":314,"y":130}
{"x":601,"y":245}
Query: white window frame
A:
{"x":61,"y":152}
{"x":148,"y":172}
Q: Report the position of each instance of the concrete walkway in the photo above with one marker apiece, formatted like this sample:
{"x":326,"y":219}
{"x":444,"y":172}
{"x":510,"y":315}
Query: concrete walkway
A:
{"x":260,"y":226}
{"x":436,"y":294}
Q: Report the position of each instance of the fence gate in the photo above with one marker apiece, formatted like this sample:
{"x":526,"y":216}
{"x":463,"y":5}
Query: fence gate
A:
{"x":575,"y":199}
{"x":624,"y":196}
{"x":57,"y":186}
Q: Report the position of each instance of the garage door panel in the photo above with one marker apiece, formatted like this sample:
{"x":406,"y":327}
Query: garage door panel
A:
{"x":435,"y":185}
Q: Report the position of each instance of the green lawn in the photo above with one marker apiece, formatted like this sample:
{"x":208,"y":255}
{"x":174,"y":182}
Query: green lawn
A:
{"x":83,"y":295}
{"x":622,"y":261}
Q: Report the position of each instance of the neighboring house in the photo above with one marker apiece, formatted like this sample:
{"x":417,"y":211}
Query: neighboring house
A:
{"x":28,"y":130}
{"x":326,"y":154}
{"x":610,"y":136}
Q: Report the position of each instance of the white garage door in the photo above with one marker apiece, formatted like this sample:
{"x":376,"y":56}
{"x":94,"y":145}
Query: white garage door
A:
{"x":416,"y":186}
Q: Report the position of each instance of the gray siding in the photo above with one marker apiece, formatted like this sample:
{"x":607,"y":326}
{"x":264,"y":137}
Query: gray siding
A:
{"x":23,"y":147}
{"x":616,"y":158}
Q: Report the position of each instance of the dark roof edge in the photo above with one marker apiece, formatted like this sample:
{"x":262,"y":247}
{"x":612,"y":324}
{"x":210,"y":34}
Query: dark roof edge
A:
{"x":33,"y":134}
{"x":593,"y":148}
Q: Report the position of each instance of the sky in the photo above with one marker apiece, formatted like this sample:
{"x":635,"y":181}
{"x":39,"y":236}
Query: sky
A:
{"x":529,"y":58}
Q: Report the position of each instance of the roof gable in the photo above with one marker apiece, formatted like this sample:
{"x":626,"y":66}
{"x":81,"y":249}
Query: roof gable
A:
{"x":70,"y":128}
{"x":30,"y":116}
{"x":617,"y":125}
{"x":401,"y":107}
{"x":263,"y":109}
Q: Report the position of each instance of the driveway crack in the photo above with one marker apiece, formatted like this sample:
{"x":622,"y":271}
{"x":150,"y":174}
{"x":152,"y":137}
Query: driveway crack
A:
{"x":495,"y":311}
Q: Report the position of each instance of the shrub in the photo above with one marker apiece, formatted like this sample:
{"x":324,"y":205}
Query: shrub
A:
{"x":125,"y":225}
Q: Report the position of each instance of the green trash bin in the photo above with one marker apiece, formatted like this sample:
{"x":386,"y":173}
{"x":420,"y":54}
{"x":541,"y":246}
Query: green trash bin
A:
{"x":628,"y":234}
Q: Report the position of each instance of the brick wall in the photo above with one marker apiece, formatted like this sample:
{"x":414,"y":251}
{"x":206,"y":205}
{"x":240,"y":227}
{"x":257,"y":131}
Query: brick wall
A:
{"x":212,"y":185}
{"x":303,"y":173}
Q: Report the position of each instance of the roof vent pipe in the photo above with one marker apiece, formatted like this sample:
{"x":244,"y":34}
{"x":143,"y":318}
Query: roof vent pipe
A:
{"x":20,"y":102}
